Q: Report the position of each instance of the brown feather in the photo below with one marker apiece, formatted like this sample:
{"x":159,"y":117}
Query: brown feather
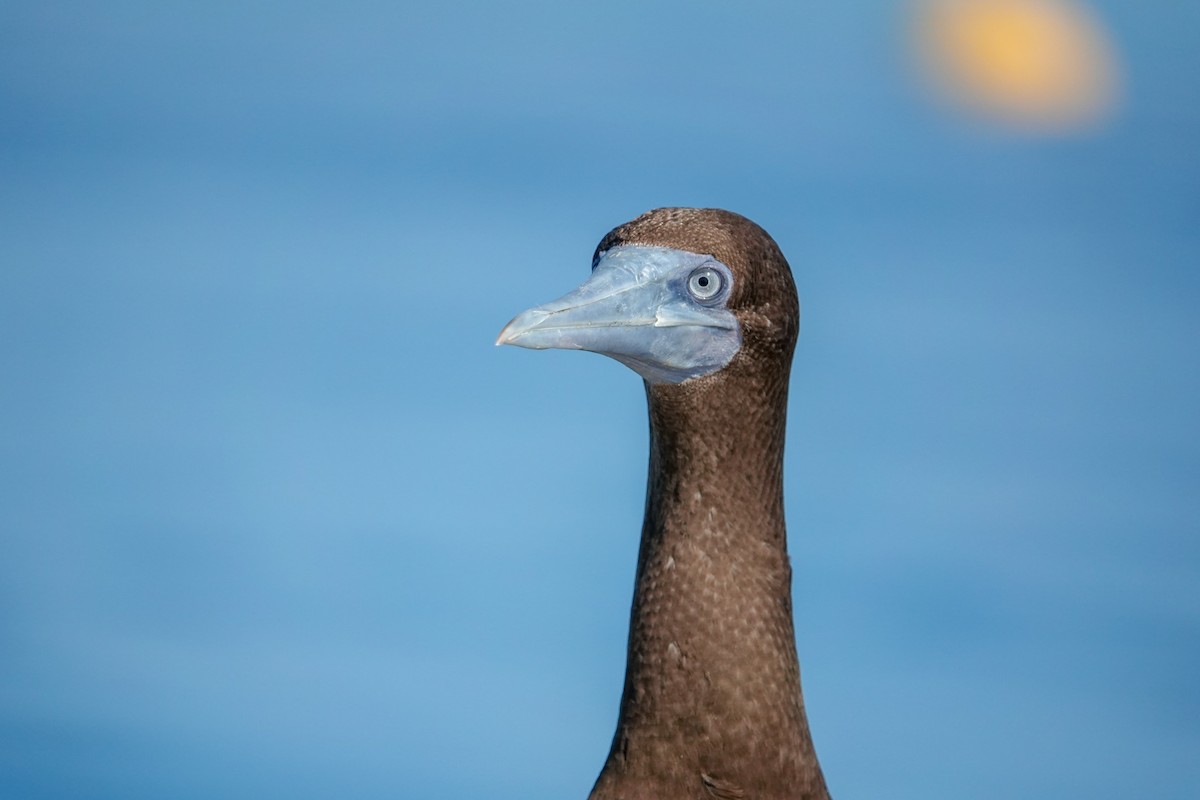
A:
{"x":712,"y":684}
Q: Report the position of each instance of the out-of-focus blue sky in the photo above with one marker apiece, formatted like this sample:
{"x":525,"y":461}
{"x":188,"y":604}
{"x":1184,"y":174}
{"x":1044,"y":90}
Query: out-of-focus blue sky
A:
{"x":277,"y":520}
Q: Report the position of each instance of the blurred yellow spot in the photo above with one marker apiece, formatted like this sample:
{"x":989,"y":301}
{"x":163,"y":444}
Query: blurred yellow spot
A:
{"x":1044,"y":64}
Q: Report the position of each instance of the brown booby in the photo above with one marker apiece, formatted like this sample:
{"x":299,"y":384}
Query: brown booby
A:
{"x":701,"y":303}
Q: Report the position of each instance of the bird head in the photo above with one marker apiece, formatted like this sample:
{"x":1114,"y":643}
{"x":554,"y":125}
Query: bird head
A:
{"x":678,"y":295}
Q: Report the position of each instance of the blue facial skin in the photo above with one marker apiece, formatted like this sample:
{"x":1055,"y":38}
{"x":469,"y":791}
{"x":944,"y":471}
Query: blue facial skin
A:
{"x":657,"y":310}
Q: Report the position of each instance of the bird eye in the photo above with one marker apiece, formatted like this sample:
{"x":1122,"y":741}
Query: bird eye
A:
{"x":705,"y":283}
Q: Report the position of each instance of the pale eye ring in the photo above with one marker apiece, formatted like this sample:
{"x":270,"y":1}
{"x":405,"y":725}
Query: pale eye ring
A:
{"x":705,"y":283}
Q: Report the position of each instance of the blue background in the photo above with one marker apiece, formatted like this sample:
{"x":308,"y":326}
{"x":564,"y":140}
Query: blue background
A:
{"x":277,"y":520}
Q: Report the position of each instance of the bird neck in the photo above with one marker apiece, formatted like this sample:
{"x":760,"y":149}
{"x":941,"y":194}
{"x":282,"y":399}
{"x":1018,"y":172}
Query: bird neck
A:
{"x":716,"y":467}
{"x":712,"y":684}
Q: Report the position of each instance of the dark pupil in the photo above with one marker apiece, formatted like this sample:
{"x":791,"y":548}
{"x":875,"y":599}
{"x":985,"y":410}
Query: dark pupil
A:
{"x":703,"y":281}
